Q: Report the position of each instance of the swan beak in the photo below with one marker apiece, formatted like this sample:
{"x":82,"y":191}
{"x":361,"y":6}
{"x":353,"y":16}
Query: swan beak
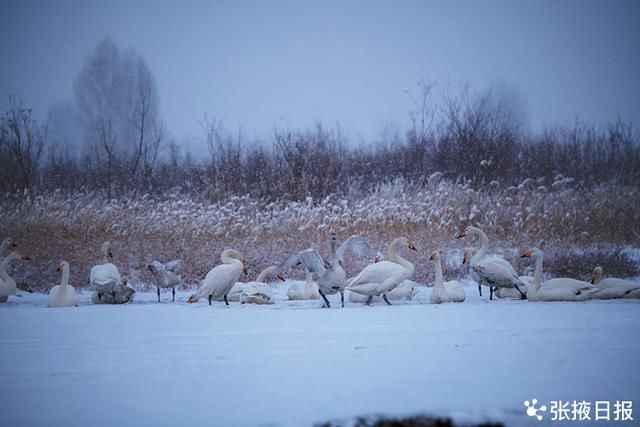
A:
{"x":593,"y":279}
{"x":24,"y":258}
{"x":12,"y":244}
{"x":110,"y":254}
{"x":465,"y":258}
{"x":462,"y":234}
{"x":279,"y":276}
{"x":526,"y":254}
{"x":190,"y":301}
{"x":59,"y":267}
{"x":433,"y":256}
{"x":411,"y":246}
{"x":244,"y":267}
{"x":377,"y":259}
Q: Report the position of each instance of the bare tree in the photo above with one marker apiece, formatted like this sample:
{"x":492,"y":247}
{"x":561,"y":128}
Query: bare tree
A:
{"x":22,"y":141}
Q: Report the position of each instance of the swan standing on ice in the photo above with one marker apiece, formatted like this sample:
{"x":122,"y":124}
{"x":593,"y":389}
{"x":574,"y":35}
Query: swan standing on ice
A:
{"x":219,"y":281}
{"x":612,"y":287}
{"x":7,"y":284}
{"x":104,"y":277}
{"x":500,"y":292}
{"x":301,"y":291}
{"x":333,"y":278}
{"x":166,"y":275}
{"x":405,"y":291}
{"x":492,"y":271}
{"x":450,"y":291}
{"x":63,"y":295}
{"x":559,"y":289}
{"x":381,"y":277}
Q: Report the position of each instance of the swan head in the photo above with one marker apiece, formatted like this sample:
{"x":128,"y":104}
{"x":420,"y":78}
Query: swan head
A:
{"x":15,"y":256}
{"x":377,"y":259}
{"x":532,"y":253}
{"x":279,"y":276}
{"x":64,"y":265}
{"x":596,"y":275}
{"x":434,"y":256}
{"x":9,"y":243}
{"x":106,"y":249}
{"x":410,"y":245}
{"x":244,"y":266}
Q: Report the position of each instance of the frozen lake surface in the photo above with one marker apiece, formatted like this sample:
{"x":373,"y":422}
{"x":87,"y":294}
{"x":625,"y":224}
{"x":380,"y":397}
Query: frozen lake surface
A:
{"x":293,"y":363}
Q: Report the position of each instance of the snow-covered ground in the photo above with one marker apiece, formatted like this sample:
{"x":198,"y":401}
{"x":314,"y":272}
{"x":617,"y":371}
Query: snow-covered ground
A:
{"x":293,"y":363}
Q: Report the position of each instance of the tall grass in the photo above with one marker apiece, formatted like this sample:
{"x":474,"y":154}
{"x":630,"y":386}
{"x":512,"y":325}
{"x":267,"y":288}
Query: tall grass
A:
{"x":566,"y":215}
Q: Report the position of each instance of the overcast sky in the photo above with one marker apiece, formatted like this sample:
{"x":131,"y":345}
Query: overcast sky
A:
{"x":263,"y":63}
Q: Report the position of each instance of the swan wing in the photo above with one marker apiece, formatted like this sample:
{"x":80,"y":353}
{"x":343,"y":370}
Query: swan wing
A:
{"x":358,"y":245}
{"x":496,"y":271}
{"x":378,"y":273}
{"x":310,"y":258}
{"x":176,"y":266}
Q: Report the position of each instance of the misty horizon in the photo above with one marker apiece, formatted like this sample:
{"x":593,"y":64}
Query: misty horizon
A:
{"x":258,"y":66}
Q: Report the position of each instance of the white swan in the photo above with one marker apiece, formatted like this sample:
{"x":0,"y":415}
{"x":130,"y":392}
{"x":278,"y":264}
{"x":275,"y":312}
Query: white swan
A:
{"x":123,"y":294}
{"x":219,"y":281}
{"x":492,"y":271}
{"x":559,"y":289}
{"x":612,"y":287}
{"x":105,"y":277}
{"x":333,"y":278}
{"x":500,"y":292}
{"x":256,"y":292}
{"x":306,"y":290}
{"x":63,"y":295}
{"x":381,"y":277}
{"x":166,"y":275}
{"x":450,"y":291}
{"x":405,"y":291}
{"x":7,"y":284}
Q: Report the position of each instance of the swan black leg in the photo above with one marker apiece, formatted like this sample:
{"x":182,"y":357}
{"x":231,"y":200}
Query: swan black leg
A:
{"x":114,"y":297}
{"x":173,"y":291}
{"x":326,"y":301}
{"x":225,"y":299}
{"x":490,"y":293}
{"x":368,"y":302}
{"x":384,"y":297}
{"x":158,"y":294}
{"x":209,"y":299}
{"x":99,"y":297}
{"x":480,"y":289}
{"x":342,"y":298}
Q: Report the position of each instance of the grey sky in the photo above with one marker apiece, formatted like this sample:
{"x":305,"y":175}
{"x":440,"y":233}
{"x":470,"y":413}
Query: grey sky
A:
{"x":265,"y":63}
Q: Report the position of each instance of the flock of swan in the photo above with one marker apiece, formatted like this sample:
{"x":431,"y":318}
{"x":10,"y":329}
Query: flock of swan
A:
{"x":382,"y":280}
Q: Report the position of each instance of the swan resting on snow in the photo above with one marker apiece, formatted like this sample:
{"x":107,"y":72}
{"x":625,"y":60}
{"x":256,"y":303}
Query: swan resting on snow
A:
{"x":492,"y":271}
{"x":381,"y":277}
{"x":332,"y":277}
{"x":558,"y":289}
{"x":302,"y":291}
{"x":105,"y":277}
{"x":7,"y":284}
{"x":63,"y":295}
{"x":220,"y":279}
{"x":450,"y":291}
{"x":166,"y":275}
{"x":122,"y":294}
{"x":256,"y":292}
{"x":612,"y":287}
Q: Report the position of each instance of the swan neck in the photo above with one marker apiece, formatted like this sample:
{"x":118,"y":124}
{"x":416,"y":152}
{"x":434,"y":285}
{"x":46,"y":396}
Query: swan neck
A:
{"x":65,"y":280}
{"x":439,"y":278}
{"x":484,"y":246}
{"x":395,"y":257}
{"x":537,"y":274}
{"x":262,"y":277}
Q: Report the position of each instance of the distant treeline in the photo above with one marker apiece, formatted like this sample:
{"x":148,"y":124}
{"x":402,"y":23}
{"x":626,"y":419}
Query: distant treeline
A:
{"x":319,"y":162}
{"x":126,"y":149}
